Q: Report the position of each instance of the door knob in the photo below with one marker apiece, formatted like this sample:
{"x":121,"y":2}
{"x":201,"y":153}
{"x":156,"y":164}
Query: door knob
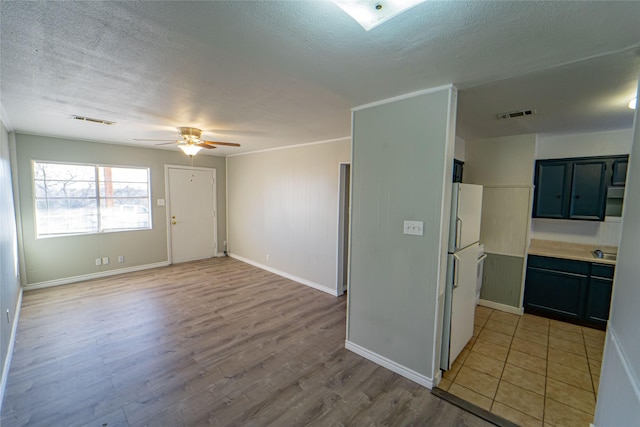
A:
{"x":173,"y":222}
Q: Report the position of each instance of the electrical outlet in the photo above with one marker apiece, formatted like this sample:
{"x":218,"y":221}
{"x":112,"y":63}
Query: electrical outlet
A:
{"x":105,"y":260}
{"x":268,"y":257}
{"x":98,"y":261}
{"x":120,"y":258}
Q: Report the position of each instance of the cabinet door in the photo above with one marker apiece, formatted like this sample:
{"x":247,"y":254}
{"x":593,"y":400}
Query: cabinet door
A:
{"x":551,"y":193}
{"x":598,"y":300}
{"x":555,"y":292}
{"x":458,"y":167}
{"x":588,"y":192}
{"x":619,"y":176}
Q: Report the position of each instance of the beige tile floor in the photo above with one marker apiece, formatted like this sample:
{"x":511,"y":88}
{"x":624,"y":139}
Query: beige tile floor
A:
{"x":529,"y":369}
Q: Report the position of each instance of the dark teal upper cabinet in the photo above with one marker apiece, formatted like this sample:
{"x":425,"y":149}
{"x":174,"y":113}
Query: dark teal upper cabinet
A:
{"x":576,"y":188}
{"x":552,"y":195}
{"x":619,"y":174}
{"x":458,"y":167}
{"x":588,"y":191}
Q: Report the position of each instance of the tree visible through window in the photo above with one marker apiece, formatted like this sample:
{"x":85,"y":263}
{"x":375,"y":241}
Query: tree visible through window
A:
{"x":76,"y":199}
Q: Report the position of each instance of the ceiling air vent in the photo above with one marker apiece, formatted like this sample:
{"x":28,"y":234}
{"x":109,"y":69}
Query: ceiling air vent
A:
{"x":89,"y":119}
{"x":515,"y":114}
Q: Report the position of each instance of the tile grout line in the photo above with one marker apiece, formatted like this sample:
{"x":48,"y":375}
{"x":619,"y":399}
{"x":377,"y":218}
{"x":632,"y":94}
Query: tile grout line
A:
{"x":546,"y":374}
{"x":593,"y":386}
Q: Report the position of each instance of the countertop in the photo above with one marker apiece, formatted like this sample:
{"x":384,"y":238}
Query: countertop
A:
{"x":567,"y":250}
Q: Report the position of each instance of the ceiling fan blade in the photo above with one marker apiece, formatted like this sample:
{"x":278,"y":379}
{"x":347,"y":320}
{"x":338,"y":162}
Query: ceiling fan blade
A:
{"x":228,"y":144}
{"x":140,"y":139}
{"x":173,"y":141}
{"x":203,"y":145}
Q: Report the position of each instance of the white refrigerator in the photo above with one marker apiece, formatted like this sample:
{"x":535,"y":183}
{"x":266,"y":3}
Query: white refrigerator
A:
{"x":462,"y":264}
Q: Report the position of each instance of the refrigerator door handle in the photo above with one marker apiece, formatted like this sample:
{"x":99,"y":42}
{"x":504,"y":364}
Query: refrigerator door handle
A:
{"x":455,"y":271}
{"x":458,"y":231}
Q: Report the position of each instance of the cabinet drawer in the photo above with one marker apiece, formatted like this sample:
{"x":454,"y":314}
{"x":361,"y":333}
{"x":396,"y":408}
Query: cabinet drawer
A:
{"x":558,"y":264}
{"x":602,"y":270}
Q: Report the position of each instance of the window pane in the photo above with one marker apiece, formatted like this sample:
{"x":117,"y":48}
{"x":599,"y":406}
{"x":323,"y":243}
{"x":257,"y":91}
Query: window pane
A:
{"x":66,"y":216}
{"x":65,"y":189}
{"x":56,"y":171}
{"x":108,"y":173}
{"x":128,"y":213}
{"x":123,"y":189}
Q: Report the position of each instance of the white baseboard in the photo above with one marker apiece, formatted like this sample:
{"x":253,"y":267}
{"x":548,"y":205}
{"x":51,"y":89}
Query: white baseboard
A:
{"x":391,"y":365}
{"x":220,"y":255}
{"x":501,"y":307}
{"x":74,"y":279}
{"x":12,"y":341}
{"x":287,"y":275}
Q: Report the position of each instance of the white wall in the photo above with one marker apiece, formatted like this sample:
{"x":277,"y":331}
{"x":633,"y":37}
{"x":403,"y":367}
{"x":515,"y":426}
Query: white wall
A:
{"x":9,"y":270}
{"x":283,"y":210}
{"x":608,"y":143}
{"x":504,"y":166}
{"x":619,"y":394}
{"x":500,"y":161}
{"x":59,"y":260}
{"x":402,"y":165}
{"x":459,"y":151}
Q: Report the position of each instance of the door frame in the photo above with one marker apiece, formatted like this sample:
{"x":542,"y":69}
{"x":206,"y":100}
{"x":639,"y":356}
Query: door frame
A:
{"x":344,"y":230}
{"x":168,"y":206}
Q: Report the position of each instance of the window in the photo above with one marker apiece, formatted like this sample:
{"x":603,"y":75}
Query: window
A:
{"x":80,"y":199}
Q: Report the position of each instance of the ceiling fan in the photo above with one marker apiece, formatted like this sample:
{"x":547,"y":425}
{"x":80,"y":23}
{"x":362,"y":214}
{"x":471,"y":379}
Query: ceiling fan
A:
{"x":191,"y":141}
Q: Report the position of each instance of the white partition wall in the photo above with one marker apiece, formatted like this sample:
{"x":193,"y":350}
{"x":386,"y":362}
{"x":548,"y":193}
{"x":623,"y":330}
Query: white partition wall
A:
{"x":401,"y":170}
{"x":619,"y":393}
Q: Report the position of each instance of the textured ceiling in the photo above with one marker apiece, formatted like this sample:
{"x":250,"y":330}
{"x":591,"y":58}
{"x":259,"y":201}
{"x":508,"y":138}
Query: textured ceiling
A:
{"x":269,"y":73}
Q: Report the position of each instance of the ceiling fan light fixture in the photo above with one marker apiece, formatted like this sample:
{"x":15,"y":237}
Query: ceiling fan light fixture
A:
{"x":190,"y":149}
{"x":633,"y":103}
{"x":190,"y":134}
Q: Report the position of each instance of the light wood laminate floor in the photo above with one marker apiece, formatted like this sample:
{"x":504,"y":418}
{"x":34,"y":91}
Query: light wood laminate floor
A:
{"x":213,"y":342}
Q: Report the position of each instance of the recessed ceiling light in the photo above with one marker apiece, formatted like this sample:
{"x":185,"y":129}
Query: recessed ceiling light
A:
{"x":371,"y":13}
{"x":633,"y":103}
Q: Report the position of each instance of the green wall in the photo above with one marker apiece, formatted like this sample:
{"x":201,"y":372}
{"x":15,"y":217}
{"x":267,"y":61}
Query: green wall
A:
{"x":9,"y":274}
{"x":502,"y":279}
{"x":66,"y":257}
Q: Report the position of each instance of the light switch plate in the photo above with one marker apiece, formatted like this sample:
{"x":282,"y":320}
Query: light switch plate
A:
{"x":160,"y":202}
{"x":414,"y":228}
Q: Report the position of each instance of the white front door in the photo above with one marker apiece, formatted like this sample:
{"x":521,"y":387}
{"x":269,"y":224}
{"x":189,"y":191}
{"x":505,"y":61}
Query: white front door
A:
{"x":192,"y":215}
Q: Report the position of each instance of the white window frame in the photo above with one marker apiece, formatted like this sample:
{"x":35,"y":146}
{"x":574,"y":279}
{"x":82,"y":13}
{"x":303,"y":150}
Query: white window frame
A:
{"x":98,"y":199}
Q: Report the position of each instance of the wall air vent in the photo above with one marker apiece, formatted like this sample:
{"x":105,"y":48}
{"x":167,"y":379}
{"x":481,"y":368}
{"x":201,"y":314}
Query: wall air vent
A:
{"x":89,"y":119}
{"x":515,"y":114}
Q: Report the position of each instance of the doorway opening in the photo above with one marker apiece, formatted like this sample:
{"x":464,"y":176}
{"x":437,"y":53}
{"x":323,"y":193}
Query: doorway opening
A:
{"x":343,"y":228}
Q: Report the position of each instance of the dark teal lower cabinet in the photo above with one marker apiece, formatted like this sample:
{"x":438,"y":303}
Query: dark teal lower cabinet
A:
{"x":556,"y":292}
{"x":576,"y":291}
{"x":599,"y":293}
{"x":598,"y":300}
